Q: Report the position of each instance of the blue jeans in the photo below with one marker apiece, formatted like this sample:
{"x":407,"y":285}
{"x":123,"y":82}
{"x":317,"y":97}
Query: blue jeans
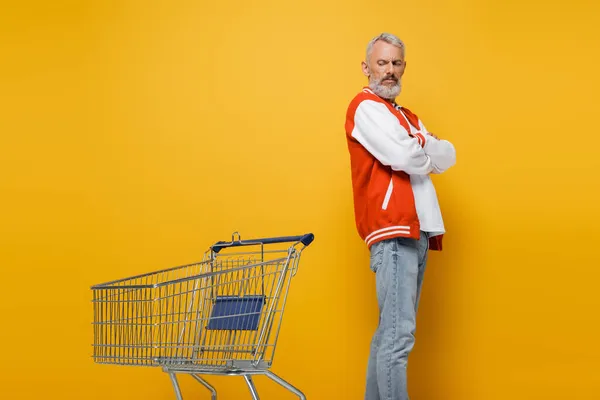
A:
{"x":399,"y":265}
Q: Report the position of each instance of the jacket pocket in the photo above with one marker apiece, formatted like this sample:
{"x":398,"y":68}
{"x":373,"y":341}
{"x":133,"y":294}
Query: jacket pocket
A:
{"x":388,"y":194}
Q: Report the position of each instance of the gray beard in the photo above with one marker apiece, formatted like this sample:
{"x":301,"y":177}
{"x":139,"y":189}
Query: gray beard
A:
{"x":385,"y":92}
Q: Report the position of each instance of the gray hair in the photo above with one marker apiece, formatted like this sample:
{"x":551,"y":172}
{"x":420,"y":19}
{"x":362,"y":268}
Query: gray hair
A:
{"x":388,"y":38}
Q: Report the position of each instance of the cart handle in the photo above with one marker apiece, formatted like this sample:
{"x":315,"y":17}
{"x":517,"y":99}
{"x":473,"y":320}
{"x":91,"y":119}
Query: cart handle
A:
{"x":305,"y":239}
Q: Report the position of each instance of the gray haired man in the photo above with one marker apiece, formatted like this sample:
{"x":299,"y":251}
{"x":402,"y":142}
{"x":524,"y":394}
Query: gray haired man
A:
{"x":396,"y":207}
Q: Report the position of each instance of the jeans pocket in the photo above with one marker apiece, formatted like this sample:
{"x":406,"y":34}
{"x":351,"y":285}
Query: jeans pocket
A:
{"x":376,"y":256}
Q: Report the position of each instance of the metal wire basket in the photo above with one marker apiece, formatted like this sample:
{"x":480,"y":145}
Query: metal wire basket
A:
{"x":220,"y":316}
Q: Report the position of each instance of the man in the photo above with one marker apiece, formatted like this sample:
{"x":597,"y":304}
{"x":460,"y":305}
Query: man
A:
{"x":396,"y":208}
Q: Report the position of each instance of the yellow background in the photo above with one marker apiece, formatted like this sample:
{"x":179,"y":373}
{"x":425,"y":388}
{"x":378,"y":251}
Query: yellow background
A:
{"x":134,"y":134}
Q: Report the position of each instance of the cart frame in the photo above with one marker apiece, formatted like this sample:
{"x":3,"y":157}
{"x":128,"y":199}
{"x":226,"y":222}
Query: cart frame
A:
{"x":220,"y":316}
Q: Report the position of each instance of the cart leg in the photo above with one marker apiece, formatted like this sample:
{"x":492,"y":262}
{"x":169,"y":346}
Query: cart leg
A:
{"x":206,"y":385}
{"x":286,"y":385}
{"x":251,"y":386}
{"x":175,"y":386}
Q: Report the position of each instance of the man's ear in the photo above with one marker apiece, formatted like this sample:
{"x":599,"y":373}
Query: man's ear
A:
{"x":365,"y":69}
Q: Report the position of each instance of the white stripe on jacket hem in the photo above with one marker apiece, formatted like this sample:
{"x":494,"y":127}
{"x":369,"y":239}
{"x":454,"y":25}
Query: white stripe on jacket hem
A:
{"x":389,"y":228}
{"x":392,"y":233}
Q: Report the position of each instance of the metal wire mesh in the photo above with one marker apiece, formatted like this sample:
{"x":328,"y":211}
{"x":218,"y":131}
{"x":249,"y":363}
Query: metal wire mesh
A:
{"x":221,"y":314}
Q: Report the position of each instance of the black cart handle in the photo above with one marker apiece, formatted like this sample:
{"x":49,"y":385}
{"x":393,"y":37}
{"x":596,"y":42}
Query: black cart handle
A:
{"x":305,"y":239}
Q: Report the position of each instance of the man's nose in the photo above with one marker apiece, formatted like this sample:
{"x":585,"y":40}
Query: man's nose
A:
{"x":389,"y":69}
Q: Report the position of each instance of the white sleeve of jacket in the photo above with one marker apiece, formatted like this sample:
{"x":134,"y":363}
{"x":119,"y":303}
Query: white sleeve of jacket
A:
{"x":381,"y":134}
{"x":441,"y":152}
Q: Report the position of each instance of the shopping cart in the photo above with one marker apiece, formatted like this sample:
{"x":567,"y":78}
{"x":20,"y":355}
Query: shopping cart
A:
{"x":220,"y":316}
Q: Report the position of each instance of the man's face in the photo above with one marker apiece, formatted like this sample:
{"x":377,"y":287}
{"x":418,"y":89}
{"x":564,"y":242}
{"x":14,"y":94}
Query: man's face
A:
{"x":385,"y":69}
